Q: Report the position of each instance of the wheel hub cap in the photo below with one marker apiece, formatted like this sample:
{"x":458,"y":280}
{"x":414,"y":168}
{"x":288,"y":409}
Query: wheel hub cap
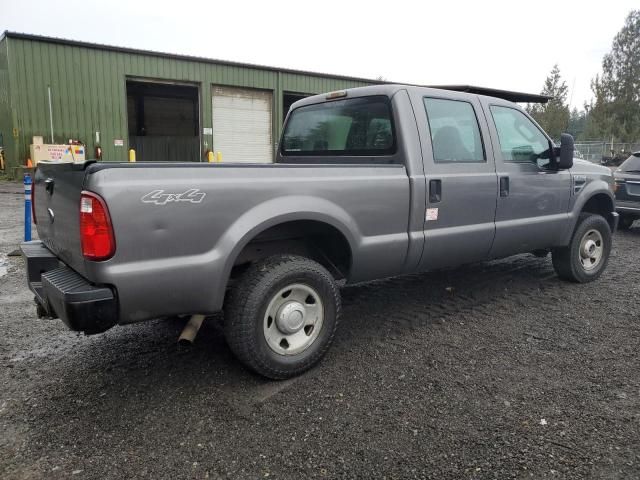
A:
{"x":290,"y":317}
{"x":591,"y":250}
{"x":293,"y":319}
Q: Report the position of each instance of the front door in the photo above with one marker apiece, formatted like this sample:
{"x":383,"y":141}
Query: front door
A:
{"x":533,"y":200}
{"x":460,"y":177}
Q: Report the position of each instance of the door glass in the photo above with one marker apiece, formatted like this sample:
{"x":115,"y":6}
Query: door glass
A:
{"x":520,"y":140}
{"x":455,"y":134}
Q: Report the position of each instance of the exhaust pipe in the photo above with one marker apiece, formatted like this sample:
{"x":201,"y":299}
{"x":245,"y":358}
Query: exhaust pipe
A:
{"x":190,"y":330}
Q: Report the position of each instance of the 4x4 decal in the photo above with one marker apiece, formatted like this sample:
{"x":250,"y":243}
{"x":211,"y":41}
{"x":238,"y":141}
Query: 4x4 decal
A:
{"x":159,"y":197}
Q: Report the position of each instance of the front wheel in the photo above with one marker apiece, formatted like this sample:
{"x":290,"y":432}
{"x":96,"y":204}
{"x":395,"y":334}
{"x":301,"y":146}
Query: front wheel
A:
{"x":587,"y":255}
{"x":281,"y":316}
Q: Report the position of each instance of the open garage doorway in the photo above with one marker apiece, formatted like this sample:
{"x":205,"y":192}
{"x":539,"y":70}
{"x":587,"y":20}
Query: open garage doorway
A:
{"x":288,"y":99}
{"x":164,"y":121}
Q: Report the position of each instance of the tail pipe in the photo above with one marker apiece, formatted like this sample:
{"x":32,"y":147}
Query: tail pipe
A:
{"x":190,"y":330}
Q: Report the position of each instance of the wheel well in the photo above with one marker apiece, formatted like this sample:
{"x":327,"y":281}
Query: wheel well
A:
{"x":600,"y":204}
{"x":316,"y":240}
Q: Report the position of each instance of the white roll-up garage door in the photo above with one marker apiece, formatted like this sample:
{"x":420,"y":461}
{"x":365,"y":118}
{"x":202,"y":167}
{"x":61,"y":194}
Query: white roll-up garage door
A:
{"x":242,"y":125}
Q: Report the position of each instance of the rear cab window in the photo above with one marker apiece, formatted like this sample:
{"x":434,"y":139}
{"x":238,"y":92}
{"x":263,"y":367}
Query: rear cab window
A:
{"x":361,"y":126}
{"x":455,"y":133}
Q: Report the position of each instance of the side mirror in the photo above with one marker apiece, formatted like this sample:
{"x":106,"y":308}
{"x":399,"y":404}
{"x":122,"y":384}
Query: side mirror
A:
{"x":565,"y":155}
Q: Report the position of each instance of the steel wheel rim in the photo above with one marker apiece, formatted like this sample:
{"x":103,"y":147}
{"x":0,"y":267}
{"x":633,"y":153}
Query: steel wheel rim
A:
{"x":591,"y":250}
{"x":293,"y":319}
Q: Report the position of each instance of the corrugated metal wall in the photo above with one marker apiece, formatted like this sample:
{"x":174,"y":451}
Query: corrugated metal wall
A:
{"x":88,"y":88}
{"x":5,"y":111}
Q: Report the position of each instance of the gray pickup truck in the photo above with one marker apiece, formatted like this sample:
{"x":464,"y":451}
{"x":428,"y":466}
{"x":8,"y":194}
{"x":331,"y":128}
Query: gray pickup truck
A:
{"x":367,"y":183}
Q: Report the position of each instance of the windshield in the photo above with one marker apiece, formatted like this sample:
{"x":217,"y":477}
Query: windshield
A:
{"x":631,"y":164}
{"x":357,"y":126}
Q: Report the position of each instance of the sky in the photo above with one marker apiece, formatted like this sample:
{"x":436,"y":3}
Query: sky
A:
{"x":510,"y":45}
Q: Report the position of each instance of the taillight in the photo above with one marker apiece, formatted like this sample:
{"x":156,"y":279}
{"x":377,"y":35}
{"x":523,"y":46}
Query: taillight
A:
{"x":96,"y":232}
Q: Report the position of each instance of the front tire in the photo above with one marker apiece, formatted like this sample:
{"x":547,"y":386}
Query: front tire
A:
{"x":587,"y":255}
{"x":282,"y":315}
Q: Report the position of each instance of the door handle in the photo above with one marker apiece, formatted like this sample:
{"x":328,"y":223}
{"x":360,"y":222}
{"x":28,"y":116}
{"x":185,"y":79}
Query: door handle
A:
{"x":48,"y":184}
{"x":435,"y":191}
{"x":504,"y":186}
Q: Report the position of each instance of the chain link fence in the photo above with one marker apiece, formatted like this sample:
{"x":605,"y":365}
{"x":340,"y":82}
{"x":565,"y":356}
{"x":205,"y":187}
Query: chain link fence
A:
{"x":597,"y":151}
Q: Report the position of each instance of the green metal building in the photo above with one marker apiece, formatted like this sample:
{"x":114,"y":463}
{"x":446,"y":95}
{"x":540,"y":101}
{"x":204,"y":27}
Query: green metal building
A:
{"x":167,"y":107}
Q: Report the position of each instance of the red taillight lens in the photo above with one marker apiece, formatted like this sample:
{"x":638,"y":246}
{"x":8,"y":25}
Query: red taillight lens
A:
{"x":96,"y":232}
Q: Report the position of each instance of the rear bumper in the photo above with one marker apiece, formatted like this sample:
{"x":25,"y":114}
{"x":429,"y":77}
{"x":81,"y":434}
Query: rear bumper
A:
{"x":62,"y":293}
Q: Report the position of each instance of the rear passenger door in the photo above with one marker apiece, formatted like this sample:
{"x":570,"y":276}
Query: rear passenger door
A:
{"x":533,"y":201}
{"x":460,"y":178}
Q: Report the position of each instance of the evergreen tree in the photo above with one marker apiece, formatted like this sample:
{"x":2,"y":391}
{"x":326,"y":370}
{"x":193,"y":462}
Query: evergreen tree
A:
{"x":615,"y":111}
{"x":577,"y":123}
{"x":553,"y":116}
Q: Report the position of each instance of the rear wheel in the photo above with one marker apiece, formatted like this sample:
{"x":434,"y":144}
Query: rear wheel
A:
{"x":281,"y":316}
{"x":587,"y":255}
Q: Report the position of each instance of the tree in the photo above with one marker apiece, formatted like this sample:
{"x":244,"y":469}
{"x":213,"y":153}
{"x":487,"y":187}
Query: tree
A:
{"x":615,"y":110}
{"x":577,"y":123}
{"x":553,"y":116}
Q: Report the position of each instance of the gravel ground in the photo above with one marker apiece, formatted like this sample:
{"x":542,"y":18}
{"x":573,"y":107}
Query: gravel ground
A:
{"x":497,"y":370}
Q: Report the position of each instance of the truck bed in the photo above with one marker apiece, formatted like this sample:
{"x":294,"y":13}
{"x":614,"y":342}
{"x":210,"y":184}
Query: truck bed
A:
{"x":185,"y":223}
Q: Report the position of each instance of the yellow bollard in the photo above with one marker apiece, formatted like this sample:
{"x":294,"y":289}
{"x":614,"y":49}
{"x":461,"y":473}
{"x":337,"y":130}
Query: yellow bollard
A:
{"x":210,"y":157}
{"x":132,"y":155}
{"x":219,"y":157}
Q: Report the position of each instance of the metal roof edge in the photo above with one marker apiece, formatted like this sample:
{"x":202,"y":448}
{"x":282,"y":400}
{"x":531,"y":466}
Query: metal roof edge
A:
{"x":176,"y":56}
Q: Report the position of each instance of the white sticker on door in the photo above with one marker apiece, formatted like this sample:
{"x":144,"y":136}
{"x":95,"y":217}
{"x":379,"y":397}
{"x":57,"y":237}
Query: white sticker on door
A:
{"x":432,"y":214}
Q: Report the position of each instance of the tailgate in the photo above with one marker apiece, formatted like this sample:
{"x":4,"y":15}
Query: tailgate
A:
{"x":57,"y":188}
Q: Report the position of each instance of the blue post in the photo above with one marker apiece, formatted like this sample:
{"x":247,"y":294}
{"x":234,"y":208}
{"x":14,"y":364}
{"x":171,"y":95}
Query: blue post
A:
{"x":27,"y":207}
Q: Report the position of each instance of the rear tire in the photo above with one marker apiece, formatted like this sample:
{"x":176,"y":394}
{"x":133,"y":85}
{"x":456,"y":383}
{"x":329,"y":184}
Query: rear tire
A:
{"x":587,"y":255}
{"x":282,"y":315}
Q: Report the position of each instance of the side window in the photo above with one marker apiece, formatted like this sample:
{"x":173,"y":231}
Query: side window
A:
{"x":455,"y":134}
{"x":520,"y":140}
{"x":359,"y":126}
